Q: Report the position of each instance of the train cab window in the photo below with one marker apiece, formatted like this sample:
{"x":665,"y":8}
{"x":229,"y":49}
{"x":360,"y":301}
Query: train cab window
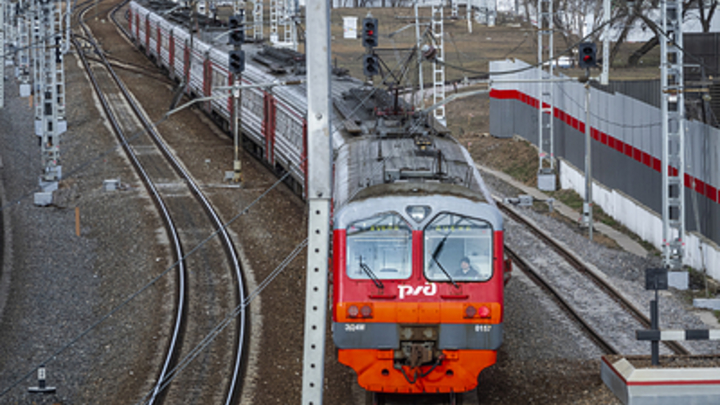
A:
{"x":379,"y":248}
{"x":458,"y":248}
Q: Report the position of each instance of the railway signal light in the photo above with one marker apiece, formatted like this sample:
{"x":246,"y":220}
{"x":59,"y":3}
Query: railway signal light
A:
{"x":587,"y":55}
{"x":237,"y":30}
{"x":369,"y":32}
{"x":371,"y":66}
{"x":236,"y":61}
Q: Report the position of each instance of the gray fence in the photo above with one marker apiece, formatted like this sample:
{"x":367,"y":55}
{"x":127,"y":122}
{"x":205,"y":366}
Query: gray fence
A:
{"x":627,"y":141}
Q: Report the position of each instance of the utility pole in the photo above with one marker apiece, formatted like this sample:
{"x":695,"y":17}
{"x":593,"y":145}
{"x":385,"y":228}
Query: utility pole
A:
{"x":23,"y":21}
{"x":49,"y":97}
{"x":258,"y":8}
{"x":3,"y":28}
{"x":605,"y":76}
{"x":236,"y":62}
{"x":438,"y":66}
{"x":587,"y":58}
{"x":319,"y":194}
{"x":673,"y":133}
{"x":547,"y":176}
{"x":294,"y":16}
{"x":274,"y":6}
{"x":418,"y":40}
{"x":287,"y":32}
{"x":280,"y":16}
{"x":468,"y":11}
{"x":587,"y":204}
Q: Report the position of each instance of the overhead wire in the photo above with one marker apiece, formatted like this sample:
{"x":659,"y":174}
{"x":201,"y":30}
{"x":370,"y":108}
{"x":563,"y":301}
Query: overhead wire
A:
{"x":250,"y":297}
{"x":131,"y":297}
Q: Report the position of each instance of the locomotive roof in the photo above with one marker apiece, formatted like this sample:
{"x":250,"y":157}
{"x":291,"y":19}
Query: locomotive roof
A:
{"x":368,"y":166}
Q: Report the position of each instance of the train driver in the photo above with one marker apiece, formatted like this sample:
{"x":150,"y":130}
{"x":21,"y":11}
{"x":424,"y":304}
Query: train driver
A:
{"x":466,"y":271}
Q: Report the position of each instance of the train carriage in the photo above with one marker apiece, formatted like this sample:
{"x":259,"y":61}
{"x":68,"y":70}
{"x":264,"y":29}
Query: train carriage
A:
{"x":418,"y":262}
{"x":165,"y":29}
{"x":153,"y":32}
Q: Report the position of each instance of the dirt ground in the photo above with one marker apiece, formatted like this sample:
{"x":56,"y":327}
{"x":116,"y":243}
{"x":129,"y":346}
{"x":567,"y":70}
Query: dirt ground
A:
{"x":467,"y":54}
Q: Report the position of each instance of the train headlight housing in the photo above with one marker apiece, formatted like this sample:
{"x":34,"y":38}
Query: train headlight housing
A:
{"x":353,"y":311}
{"x":484,"y":312}
{"x":366,"y":311}
{"x":418,"y":212}
{"x":470,"y":311}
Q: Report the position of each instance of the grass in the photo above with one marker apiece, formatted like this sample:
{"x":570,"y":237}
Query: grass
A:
{"x":465,"y":50}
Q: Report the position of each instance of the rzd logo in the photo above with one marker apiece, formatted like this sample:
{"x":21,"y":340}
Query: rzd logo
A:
{"x":408,"y":290}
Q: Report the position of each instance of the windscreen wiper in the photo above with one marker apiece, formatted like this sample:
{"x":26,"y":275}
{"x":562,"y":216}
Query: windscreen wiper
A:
{"x":436,"y":253}
{"x":371,"y":274}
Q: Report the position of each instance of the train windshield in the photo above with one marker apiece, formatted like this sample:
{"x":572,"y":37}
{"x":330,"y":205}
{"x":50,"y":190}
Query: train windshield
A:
{"x":379,"y":248}
{"x":458,"y":248}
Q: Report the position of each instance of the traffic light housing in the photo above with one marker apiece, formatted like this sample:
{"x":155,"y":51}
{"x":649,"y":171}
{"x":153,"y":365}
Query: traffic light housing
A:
{"x":237,"y":30}
{"x":236,"y":61}
{"x":587,"y":55}
{"x":369,"y":32}
{"x":371,"y":66}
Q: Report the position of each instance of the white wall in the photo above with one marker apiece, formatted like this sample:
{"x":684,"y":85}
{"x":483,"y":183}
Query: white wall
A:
{"x":699,"y":252}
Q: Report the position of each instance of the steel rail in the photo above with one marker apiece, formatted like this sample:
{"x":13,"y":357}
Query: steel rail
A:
{"x":157,"y":199}
{"x":607,"y":288}
{"x":233,"y":388}
{"x":527,"y":269}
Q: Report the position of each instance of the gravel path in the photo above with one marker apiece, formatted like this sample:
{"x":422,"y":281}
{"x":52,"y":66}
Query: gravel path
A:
{"x":60,"y":284}
{"x":626,"y":272}
{"x":600,"y":310}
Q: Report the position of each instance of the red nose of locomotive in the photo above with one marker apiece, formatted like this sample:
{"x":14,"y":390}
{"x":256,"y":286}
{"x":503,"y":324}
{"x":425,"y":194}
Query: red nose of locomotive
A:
{"x":418,"y":310}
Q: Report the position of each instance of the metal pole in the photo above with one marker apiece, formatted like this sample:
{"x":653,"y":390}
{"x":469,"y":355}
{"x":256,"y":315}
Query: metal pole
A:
{"x":587,"y":204}
{"x":319,"y":192}
{"x":237,"y":100}
{"x":237,"y":114}
{"x":673,"y":132}
{"x":468,"y":9}
{"x":605,"y":76}
{"x":3,"y":28}
{"x":420,"y":71}
{"x":654,"y":325}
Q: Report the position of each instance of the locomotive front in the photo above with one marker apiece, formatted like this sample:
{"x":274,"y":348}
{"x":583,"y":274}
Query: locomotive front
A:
{"x":418,"y":289}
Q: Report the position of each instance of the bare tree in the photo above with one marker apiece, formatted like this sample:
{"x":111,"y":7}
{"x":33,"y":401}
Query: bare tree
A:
{"x":706,"y":9}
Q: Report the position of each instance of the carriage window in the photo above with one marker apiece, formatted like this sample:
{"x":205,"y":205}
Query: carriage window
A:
{"x":379,"y":248}
{"x":458,"y":248}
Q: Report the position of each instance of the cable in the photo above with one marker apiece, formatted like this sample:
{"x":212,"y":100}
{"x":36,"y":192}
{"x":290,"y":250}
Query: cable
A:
{"x":172,"y":266}
{"x":195,"y":351}
{"x":131,"y":297}
{"x":602,"y":119}
{"x":526,"y":36}
{"x":562,"y":53}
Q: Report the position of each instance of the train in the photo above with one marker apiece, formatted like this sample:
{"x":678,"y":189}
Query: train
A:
{"x":418,"y":266}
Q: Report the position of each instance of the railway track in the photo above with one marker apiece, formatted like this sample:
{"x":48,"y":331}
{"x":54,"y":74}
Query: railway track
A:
{"x":589,"y":299}
{"x":205,"y":263}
